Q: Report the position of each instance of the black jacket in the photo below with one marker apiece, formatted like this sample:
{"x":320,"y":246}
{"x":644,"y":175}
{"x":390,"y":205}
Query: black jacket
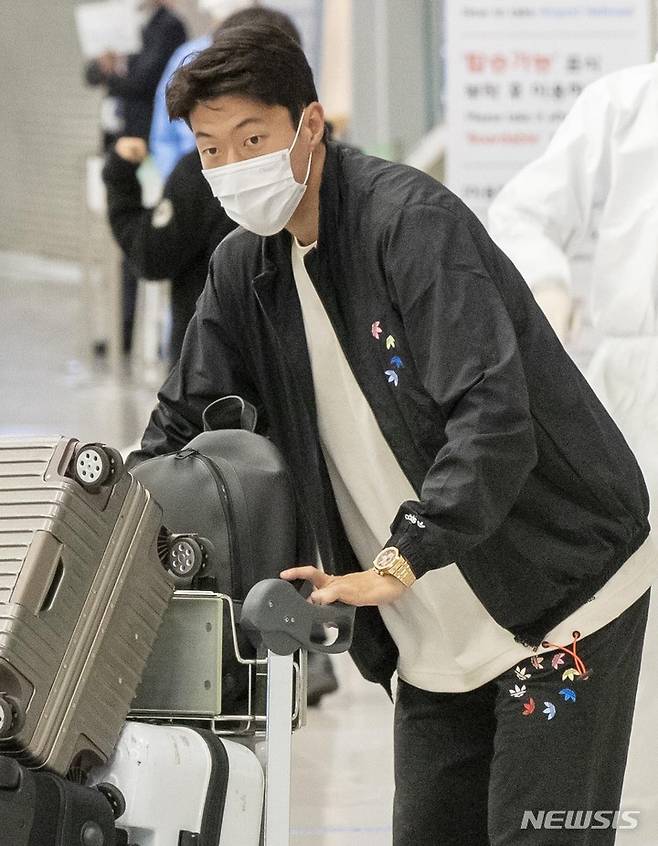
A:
{"x":522,"y":478}
{"x":172,"y":241}
{"x":163,"y":34}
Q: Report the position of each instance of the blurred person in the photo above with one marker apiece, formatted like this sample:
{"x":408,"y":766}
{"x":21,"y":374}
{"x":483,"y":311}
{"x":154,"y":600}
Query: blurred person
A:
{"x":175,"y":239}
{"x":130,"y":82}
{"x":464,"y":486}
{"x":602,"y":166}
{"x":171,"y":139}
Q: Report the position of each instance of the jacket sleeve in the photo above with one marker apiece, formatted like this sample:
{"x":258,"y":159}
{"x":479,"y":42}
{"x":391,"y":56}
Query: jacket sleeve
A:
{"x":210,"y":366}
{"x":547,"y":207}
{"x":159,"y":242}
{"x":463,"y":346}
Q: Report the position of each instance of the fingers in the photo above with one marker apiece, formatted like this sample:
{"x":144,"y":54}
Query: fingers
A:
{"x":309,"y":573}
{"x":326,"y":595}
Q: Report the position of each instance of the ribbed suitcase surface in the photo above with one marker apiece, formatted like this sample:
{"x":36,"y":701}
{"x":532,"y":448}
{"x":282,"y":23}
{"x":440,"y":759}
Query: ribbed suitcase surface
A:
{"x":82,"y":595}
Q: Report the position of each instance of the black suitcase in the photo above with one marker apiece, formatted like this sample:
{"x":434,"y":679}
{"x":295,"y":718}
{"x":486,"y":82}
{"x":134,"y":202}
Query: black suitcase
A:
{"x":38,"y":808}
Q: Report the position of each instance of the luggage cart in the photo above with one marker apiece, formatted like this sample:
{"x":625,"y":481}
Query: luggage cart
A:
{"x":182,"y":685}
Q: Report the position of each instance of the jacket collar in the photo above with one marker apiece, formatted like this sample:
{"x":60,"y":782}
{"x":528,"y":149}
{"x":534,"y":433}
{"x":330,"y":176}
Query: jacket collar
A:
{"x":276,"y":247}
{"x":275,"y":287}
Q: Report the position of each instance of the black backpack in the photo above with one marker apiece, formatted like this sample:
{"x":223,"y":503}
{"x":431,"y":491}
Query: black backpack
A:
{"x":231,"y":488}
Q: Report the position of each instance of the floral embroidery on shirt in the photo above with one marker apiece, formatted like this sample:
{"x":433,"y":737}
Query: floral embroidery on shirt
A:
{"x":396,"y":361}
{"x":376,"y":329}
{"x":390,"y":342}
{"x":569,"y":694}
{"x":537,"y":662}
{"x":549,"y":710}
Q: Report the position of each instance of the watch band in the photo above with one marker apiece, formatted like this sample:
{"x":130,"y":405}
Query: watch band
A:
{"x":390,"y":562}
{"x":402,"y":571}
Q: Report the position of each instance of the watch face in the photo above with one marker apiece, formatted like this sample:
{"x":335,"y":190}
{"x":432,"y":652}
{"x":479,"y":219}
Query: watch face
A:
{"x":386,"y":557}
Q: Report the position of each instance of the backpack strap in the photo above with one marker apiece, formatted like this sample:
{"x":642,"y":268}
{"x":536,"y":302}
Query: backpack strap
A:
{"x":230,"y":412}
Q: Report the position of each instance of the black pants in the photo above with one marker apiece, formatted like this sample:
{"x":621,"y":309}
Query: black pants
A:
{"x":486,"y":767}
{"x":129,"y":303}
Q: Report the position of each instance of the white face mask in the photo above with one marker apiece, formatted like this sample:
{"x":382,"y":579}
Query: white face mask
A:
{"x":260,"y":194}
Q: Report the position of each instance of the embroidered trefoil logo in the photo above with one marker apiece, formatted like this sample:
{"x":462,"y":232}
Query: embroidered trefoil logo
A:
{"x":396,"y":362}
{"x":517,"y":692}
{"x":413,"y":519}
{"x":528,"y":707}
{"x":557,"y":660}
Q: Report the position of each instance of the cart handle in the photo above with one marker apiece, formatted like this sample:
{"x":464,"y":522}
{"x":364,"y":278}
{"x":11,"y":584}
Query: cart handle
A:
{"x":279,"y":616}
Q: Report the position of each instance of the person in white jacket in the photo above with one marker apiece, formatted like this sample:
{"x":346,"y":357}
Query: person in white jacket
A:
{"x":600,"y":172}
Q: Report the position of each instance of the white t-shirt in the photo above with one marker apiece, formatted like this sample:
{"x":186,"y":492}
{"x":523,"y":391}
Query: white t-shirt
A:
{"x":446,"y":639}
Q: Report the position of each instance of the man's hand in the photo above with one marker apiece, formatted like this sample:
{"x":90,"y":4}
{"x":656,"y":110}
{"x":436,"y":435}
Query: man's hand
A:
{"x":132,"y":149}
{"x":367,"y":588}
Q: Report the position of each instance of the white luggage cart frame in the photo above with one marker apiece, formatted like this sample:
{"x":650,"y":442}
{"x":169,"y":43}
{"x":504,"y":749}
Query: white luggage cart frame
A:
{"x":270,"y":728}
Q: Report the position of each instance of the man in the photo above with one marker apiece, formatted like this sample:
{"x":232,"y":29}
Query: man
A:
{"x":131,"y":82}
{"x":402,"y":366}
{"x":170,"y":140}
{"x":600,"y":172}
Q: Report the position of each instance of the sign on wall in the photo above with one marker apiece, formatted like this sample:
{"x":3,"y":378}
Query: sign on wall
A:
{"x":513,"y":71}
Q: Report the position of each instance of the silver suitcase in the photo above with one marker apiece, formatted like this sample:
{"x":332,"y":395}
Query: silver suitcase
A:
{"x":83,"y":590}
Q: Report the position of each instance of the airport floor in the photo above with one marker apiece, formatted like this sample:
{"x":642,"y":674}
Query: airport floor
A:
{"x":342,"y":785}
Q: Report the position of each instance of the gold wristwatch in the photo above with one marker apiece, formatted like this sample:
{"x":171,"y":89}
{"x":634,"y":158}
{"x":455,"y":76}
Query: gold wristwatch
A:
{"x":389,"y":562}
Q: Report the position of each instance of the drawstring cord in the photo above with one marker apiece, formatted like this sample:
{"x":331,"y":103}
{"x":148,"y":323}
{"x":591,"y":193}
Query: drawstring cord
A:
{"x":577,"y":660}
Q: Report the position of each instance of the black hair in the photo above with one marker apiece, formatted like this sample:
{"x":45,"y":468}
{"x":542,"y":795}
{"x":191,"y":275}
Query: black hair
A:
{"x":261,"y":15}
{"x":258,"y":61}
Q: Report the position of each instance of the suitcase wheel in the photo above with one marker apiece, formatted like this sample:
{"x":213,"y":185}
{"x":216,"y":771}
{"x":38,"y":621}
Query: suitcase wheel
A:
{"x":114,"y":796}
{"x":186,"y":557}
{"x":10,"y":714}
{"x":95,"y":465}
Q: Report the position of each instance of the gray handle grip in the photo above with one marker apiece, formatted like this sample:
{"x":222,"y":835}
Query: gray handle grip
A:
{"x":277,"y":614}
{"x":231,"y":412}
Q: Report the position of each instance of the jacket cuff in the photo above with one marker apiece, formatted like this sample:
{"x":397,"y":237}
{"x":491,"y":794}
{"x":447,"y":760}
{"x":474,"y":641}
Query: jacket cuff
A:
{"x":410,"y":551}
{"x":117,"y":169}
{"x":416,"y":542}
